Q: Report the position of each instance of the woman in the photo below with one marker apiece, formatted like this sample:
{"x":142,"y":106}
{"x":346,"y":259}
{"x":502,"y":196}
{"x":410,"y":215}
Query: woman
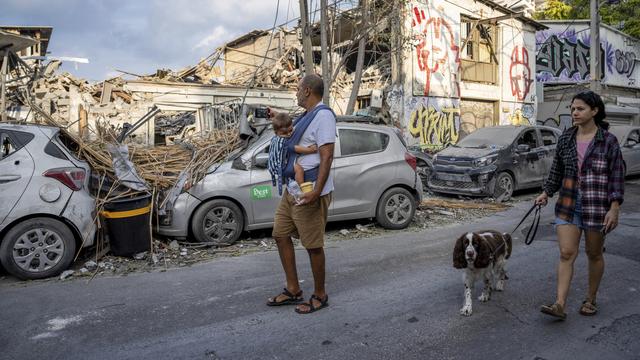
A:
{"x":588,"y":171}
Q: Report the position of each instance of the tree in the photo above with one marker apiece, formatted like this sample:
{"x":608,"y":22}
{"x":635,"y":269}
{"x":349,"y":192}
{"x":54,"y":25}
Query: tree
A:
{"x":624,"y":16}
{"x":554,"y":10}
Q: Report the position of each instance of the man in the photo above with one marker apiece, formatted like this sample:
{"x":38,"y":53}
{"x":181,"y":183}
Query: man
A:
{"x":307,"y":216}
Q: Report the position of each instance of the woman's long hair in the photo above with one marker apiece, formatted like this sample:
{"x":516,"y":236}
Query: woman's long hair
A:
{"x":594,"y":101}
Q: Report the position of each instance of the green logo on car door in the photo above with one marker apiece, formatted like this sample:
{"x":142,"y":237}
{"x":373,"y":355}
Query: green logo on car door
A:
{"x":261,"y":192}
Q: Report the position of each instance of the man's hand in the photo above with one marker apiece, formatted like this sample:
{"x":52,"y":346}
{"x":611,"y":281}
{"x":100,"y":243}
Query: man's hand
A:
{"x":308,"y":198}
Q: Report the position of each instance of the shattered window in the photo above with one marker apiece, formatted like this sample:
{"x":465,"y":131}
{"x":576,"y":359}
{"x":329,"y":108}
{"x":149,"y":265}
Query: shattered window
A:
{"x":634,"y":136}
{"x":355,"y":142}
{"x":7,"y":146}
{"x":528,"y":138}
{"x":548,"y":137}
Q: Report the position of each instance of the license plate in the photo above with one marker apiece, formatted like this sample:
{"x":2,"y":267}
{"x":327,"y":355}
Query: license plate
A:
{"x":453,"y":177}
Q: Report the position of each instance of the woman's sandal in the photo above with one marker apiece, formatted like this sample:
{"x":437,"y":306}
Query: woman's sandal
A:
{"x":588,"y":308}
{"x":292,"y":299}
{"x":554,"y":310}
{"x":323,"y":304}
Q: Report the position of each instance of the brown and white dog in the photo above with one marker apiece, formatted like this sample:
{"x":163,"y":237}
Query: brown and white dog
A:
{"x":482,"y":254}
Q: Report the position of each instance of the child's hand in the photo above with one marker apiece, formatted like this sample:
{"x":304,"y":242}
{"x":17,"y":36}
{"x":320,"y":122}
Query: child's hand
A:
{"x":313,"y":147}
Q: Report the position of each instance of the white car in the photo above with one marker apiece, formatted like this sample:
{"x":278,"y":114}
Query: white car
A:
{"x":374,"y":177}
{"x":46,"y":212}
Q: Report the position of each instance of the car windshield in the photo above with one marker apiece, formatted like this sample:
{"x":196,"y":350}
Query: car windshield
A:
{"x":489,"y":137}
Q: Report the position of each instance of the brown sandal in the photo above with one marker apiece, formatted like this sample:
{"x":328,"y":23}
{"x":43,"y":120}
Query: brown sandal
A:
{"x":588,"y":308}
{"x":554,"y":310}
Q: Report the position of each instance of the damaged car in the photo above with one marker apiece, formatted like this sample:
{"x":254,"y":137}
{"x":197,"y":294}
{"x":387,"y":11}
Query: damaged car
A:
{"x":374,"y":176}
{"x":46,"y":212}
{"x":629,"y":139}
{"x":495,"y":161}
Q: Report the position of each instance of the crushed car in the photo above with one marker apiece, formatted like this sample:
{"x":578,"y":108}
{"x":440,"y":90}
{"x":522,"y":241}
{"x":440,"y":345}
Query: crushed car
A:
{"x":374,"y":176}
{"x":495,"y":161}
{"x":46,"y":212}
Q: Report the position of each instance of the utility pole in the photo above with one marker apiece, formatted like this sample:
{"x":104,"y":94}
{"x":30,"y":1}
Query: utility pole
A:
{"x":357,"y":76}
{"x":594,"y":51}
{"x":3,"y":88}
{"x":326,"y":73}
{"x":306,"y":38}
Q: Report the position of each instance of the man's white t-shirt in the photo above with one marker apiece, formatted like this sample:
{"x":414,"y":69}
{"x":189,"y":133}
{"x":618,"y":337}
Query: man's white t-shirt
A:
{"x":321,"y":131}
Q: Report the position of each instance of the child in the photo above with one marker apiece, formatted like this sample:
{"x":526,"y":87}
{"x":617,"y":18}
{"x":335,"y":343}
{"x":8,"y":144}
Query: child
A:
{"x":283,"y":128}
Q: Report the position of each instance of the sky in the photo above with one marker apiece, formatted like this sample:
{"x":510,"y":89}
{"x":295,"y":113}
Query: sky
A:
{"x":141,"y":36}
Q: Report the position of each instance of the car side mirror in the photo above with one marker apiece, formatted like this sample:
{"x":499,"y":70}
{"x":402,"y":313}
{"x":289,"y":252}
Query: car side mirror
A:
{"x":523,"y":148}
{"x":261,"y":160}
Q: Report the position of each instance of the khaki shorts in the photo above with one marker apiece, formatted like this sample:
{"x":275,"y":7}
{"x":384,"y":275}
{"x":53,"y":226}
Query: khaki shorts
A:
{"x":307,"y":221}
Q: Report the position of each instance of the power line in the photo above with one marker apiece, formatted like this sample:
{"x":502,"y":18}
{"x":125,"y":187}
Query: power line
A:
{"x":264,"y":58}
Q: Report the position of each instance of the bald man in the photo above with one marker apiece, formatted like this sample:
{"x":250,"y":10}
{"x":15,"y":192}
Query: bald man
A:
{"x":307,"y":216}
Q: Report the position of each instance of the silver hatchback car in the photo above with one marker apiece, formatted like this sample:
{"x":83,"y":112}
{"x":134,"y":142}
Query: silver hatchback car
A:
{"x":374,"y":177}
{"x":46,"y":211}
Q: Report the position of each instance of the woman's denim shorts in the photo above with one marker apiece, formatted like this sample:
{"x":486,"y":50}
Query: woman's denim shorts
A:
{"x":577,"y":215}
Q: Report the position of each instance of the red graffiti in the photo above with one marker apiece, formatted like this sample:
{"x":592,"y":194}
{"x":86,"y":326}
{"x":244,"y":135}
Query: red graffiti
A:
{"x":436,"y":43}
{"x":520,"y":73}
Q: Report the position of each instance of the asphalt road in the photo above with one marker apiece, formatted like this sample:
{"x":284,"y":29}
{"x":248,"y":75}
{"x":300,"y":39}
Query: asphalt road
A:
{"x":391,"y":297}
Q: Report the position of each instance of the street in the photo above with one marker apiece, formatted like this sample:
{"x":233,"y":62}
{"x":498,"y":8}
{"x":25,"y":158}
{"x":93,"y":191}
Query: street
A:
{"x":394,"y":296}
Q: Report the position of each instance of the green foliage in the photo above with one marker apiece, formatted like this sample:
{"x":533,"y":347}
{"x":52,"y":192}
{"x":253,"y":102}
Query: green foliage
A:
{"x":624,"y":16}
{"x":553,"y":10}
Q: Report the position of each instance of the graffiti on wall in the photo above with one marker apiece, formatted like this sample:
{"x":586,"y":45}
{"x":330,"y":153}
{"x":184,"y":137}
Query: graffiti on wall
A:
{"x":435,"y":54}
{"x":625,"y":62}
{"x":564,"y":58}
{"x":522,"y":116}
{"x":562,"y":121}
{"x":435,"y":125}
{"x":520,"y":73}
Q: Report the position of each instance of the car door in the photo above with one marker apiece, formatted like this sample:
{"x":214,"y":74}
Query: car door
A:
{"x":632,"y":153}
{"x":16,"y":169}
{"x":264,"y":196}
{"x":528,"y":167}
{"x":358,"y":169}
{"x":547,"y":151}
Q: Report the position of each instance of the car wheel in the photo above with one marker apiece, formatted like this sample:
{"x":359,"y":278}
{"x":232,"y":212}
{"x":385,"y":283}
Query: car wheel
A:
{"x":503,"y":188}
{"x":219,"y":222}
{"x":396,"y":208}
{"x":37,"y":248}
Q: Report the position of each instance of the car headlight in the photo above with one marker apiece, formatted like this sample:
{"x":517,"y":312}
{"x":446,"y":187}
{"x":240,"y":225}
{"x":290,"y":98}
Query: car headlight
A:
{"x":485,"y":160}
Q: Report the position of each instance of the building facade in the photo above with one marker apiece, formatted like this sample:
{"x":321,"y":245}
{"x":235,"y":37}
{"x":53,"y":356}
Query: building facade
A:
{"x":563,"y":68}
{"x":470,"y":64}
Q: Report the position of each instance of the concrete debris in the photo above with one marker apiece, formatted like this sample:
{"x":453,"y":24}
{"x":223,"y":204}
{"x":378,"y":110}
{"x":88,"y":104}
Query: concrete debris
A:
{"x":364,"y":229}
{"x":140,"y":256}
{"x":66,"y":274}
{"x":344,"y":232}
{"x":91,"y":265}
{"x":447,"y":213}
{"x":173,"y":245}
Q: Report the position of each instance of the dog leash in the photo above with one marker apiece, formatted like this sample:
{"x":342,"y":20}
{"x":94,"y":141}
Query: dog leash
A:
{"x":534,"y":224}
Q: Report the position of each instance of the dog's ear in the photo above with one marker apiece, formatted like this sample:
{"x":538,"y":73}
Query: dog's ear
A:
{"x":484,"y":252}
{"x":459,"y":261}
{"x":508,"y":244}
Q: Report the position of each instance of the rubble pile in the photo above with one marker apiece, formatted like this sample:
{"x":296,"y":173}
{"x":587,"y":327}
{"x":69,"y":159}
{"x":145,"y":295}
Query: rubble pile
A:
{"x":282,"y":74}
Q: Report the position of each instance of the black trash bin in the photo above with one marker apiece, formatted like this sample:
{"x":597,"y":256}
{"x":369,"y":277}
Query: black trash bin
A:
{"x":127,"y":223}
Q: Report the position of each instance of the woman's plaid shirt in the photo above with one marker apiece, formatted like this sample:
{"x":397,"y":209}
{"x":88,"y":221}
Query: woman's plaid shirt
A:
{"x":601,"y":177}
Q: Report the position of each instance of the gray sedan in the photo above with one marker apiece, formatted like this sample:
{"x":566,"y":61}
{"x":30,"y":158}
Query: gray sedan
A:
{"x":629,"y":139}
{"x":374,"y":177}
